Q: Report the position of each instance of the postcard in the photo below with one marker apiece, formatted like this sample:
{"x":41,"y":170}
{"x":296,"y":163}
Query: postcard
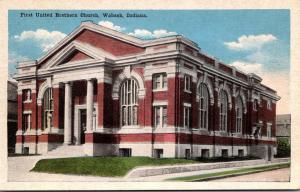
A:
{"x":150,"y":96}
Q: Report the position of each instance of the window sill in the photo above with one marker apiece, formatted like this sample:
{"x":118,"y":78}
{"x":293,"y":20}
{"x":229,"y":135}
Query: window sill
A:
{"x":187,"y":91}
{"x":27,"y":101}
{"x":159,"y":90}
{"x":130,"y":127}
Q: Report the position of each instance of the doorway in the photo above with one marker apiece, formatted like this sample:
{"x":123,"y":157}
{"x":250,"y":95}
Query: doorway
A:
{"x":80,"y":116}
{"x":82,"y":124}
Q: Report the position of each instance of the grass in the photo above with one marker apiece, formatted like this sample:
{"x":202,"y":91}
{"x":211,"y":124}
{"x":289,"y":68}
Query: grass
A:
{"x":101,"y":166}
{"x":225,"y":159}
{"x":210,"y":176}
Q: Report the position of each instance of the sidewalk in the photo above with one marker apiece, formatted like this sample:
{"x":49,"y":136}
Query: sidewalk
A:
{"x":19,"y":170}
{"x":184,"y":174}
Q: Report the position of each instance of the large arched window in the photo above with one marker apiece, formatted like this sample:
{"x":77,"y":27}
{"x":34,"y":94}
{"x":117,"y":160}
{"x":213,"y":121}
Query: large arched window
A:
{"x":239,"y":114}
{"x":47,"y":109}
{"x":129,"y":102}
{"x":203,"y":106}
{"x":223,"y":110}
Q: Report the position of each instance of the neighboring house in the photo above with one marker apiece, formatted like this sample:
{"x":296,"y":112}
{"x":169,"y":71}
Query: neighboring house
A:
{"x":115,"y":94}
{"x":283,"y":126}
{"x":12,"y":114}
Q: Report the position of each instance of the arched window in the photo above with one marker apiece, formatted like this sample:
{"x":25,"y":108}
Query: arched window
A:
{"x":47,"y":109}
{"x":223,"y":110}
{"x":239,"y":114}
{"x":203,"y":106}
{"x":129,"y":102}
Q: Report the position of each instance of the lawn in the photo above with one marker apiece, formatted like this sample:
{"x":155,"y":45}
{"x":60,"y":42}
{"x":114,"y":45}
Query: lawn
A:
{"x":101,"y":166}
{"x":241,"y":171}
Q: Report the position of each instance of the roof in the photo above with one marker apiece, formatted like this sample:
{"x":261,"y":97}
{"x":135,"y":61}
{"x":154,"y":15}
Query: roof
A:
{"x":283,"y":119}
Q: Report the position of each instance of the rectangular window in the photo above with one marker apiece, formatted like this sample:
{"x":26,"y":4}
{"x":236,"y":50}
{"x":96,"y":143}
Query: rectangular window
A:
{"x":205,"y":153}
{"x":224,"y":152}
{"x":125,"y":152}
{"x":160,"y":81}
{"x":26,"y":121}
{"x":27,"y":95}
{"x":240,"y":153}
{"x":255,"y":105}
{"x":269,"y":105}
{"x":187,"y":153}
{"x":158,"y":153}
{"x":269,"y":128}
{"x":187,"y":83}
{"x":186,"y":117}
{"x":160,"y":116}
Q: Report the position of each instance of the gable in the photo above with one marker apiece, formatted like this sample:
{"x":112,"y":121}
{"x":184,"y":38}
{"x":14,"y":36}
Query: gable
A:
{"x":106,"y":43}
{"x":76,"y":56}
{"x":76,"y":52}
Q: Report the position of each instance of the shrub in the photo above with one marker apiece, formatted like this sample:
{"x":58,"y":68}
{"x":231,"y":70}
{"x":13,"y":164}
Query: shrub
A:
{"x":283,"y":148}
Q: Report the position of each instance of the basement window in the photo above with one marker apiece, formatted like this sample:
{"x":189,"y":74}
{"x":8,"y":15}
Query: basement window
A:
{"x":158,"y":153}
{"x":241,"y":153}
{"x":205,"y":153}
{"x":224,"y":152}
{"x":125,"y":152}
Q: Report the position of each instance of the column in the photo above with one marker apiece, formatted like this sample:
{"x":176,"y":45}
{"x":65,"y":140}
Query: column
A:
{"x":56,"y":94}
{"x":68,"y":114}
{"x":89,"y":105}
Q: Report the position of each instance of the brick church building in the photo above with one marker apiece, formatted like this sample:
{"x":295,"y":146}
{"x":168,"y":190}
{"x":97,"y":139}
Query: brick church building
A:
{"x":114,"y":94}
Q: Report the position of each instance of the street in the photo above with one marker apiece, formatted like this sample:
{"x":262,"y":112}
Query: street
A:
{"x":275,"y":175}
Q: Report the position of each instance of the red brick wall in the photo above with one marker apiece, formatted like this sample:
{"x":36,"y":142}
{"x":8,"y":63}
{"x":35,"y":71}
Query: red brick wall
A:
{"x":161,"y":95}
{"x":105,"y":115}
{"x":20,"y":111}
{"x":39,"y":117}
{"x":56,"y":95}
{"x":171,"y":97}
{"x":113,"y":46}
{"x":76,"y":56}
{"x":148,"y":103}
{"x":195,"y":108}
{"x":34,"y":111}
{"x":225,"y":68}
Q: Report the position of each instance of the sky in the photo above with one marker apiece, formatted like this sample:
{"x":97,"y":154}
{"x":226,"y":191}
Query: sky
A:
{"x":254,"y":41}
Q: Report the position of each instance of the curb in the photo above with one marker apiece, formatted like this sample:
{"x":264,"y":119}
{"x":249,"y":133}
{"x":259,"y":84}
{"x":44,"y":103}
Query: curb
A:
{"x":162,"y":170}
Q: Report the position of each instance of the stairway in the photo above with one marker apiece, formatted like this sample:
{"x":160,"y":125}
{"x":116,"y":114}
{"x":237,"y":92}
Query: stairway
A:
{"x":67,"y":151}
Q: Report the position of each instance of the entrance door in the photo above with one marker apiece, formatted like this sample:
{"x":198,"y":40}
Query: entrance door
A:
{"x":82,"y":124}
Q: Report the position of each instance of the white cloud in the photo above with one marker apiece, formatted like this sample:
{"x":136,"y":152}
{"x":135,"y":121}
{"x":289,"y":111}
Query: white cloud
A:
{"x":140,"y":33}
{"x":110,"y":25}
{"x":145,"y":34}
{"x":13,"y":59}
{"x":45,"y":39}
{"x":248,"y":67}
{"x":250,"y":42}
{"x":279,"y":81}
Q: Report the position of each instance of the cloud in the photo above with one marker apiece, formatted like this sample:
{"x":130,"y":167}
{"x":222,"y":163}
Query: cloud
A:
{"x":145,"y":34}
{"x":268,"y":57}
{"x":248,"y":67}
{"x":279,"y":81}
{"x":13,"y":59}
{"x":250,"y":42}
{"x":45,"y":39}
{"x":110,"y":25}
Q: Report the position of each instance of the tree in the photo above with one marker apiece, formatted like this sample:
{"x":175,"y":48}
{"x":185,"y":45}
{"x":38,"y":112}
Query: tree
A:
{"x":283,"y":147}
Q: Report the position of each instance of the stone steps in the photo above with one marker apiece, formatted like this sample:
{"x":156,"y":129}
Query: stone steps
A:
{"x":67,"y":151}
